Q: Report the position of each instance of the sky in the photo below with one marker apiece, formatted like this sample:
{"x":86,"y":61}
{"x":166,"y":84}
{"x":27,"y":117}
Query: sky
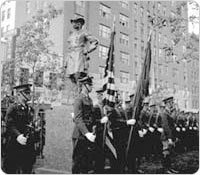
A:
{"x":193,"y":27}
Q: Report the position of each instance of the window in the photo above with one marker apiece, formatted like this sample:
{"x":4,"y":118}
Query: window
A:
{"x":24,"y":76}
{"x":3,"y":15}
{"x":80,"y":7}
{"x":104,"y":11}
{"x":165,"y":39}
{"x":159,"y":7}
{"x":160,"y":53}
{"x":142,"y":48}
{"x":124,"y":4}
{"x":135,"y":8}
{"x":148,"y":30}
{"x":159,"y":37}
{"x":184,"y":49}
{"x":135,"y":47}
{"x":104,"y":31}
{"x":28,"y":5}
{"x":124,"y":39}
{"x":2,"y":30}
{"x":103,"y":52}
{"x":142,"y":31}
{"x":174,"y":72}
{"x":7,"y":27}
{"x":135,"y":65}
{"x":135,"y":26}
{"x":8,"y":13}
{"x":166,"y":69}
{"x":141,"y":12}
{"x":52,"y":80}
{"x":123,"y":20}
{"x":154,"y":51}
{"x":124,"y":57}
{"x":124,"y":77}
{"x":101,"y":72}
{"x":39,"y":78}
{"x":164,"y":11}
{"x":160,"y":69}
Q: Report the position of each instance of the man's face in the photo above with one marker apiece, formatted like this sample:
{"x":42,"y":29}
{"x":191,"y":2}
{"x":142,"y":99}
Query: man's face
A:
{"x":27,"y":95}
{"x":100,"y":96}
{"x":77,"y":25}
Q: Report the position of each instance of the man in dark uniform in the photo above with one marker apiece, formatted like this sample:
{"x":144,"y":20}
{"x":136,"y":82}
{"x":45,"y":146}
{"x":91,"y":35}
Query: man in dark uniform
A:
{"x":167,"y":136}
{"x":101,"y":119}
{"x":83,"y":137}
{"x":20,"y":153}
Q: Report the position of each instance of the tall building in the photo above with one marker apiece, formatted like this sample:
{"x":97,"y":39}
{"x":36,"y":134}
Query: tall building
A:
{"x":132,"y":31}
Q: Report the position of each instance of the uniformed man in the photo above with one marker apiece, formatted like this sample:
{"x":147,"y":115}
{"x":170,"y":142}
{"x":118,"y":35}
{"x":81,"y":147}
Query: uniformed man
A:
{"x":167,"y":136}
{"x":80,"y":44}
{"x":101,"y":119}
{"x":20,"y":153}
{"x":83,"y":137}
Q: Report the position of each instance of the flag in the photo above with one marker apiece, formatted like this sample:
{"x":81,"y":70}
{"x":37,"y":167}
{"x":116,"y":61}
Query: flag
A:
{"x":142,"y":89}
{"x":109,"y":83}
{"x":109,"y":93}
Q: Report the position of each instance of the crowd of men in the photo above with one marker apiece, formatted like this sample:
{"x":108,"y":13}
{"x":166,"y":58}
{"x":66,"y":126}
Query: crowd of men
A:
{"x":159,"y":131}
{"x":104,"y":138}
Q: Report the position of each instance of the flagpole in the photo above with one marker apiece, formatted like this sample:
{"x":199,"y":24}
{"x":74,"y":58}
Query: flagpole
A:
{"x":109,"y":57}
{"x":134,"y":99}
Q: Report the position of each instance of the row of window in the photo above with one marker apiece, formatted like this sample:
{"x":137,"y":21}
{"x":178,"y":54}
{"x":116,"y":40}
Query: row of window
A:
{"x":4,"y":15}
{"x":39,"y":78}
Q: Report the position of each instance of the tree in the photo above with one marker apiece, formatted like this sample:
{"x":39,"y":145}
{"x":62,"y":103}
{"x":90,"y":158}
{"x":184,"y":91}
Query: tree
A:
{"x":177,"y":23}
{"x":33,"y":43}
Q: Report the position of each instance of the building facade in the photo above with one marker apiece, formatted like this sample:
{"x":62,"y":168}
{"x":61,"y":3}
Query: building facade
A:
{"x":132,"y":31}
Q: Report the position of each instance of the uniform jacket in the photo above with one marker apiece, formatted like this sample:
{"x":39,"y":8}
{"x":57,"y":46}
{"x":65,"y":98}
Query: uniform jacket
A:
{"x":167,"y":125}
{"x":17,"y":117}
{"x":79,"y":42}
{"x":83,"y":116}
{"x":143,"y":119}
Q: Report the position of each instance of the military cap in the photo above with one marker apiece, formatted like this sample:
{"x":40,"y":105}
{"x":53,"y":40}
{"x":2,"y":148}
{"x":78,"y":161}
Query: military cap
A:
{"x":76,"y":20}
{"x":100,"y":90}
{"x":131,"y":94}
{"x":128,"y":100}
{"x":146,"y":101}
{"x":86,"y":80}
{"x":23,"y":87}
{"x":161,"y":104}
{"x":168,"y":99}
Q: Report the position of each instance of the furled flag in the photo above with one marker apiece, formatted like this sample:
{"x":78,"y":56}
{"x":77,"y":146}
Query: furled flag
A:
{"x":142,"y":89}
{"x":109,"y":92}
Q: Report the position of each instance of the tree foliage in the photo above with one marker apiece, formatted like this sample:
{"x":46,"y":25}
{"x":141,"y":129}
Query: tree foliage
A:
{"x":33,"y":43}
{"x":177,"y":24}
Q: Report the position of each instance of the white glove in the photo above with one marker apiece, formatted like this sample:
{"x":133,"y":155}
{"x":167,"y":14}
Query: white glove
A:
{"x":195,"y":128}
{"x":151,"y":129}
{"x":72,"y":115}
{"x":21,"y":139}
{"x":160,"y":130}
{"x":90,"y":136}
{"x":190,"y":128}
{"x":178,"y":129}
{"x":131,"y":122}
{"x":144,"y":131}
{"x":104,"y":119}
{"x":183,"y":129}
{"x":141,"y":134}
{"x":170,"y":141}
